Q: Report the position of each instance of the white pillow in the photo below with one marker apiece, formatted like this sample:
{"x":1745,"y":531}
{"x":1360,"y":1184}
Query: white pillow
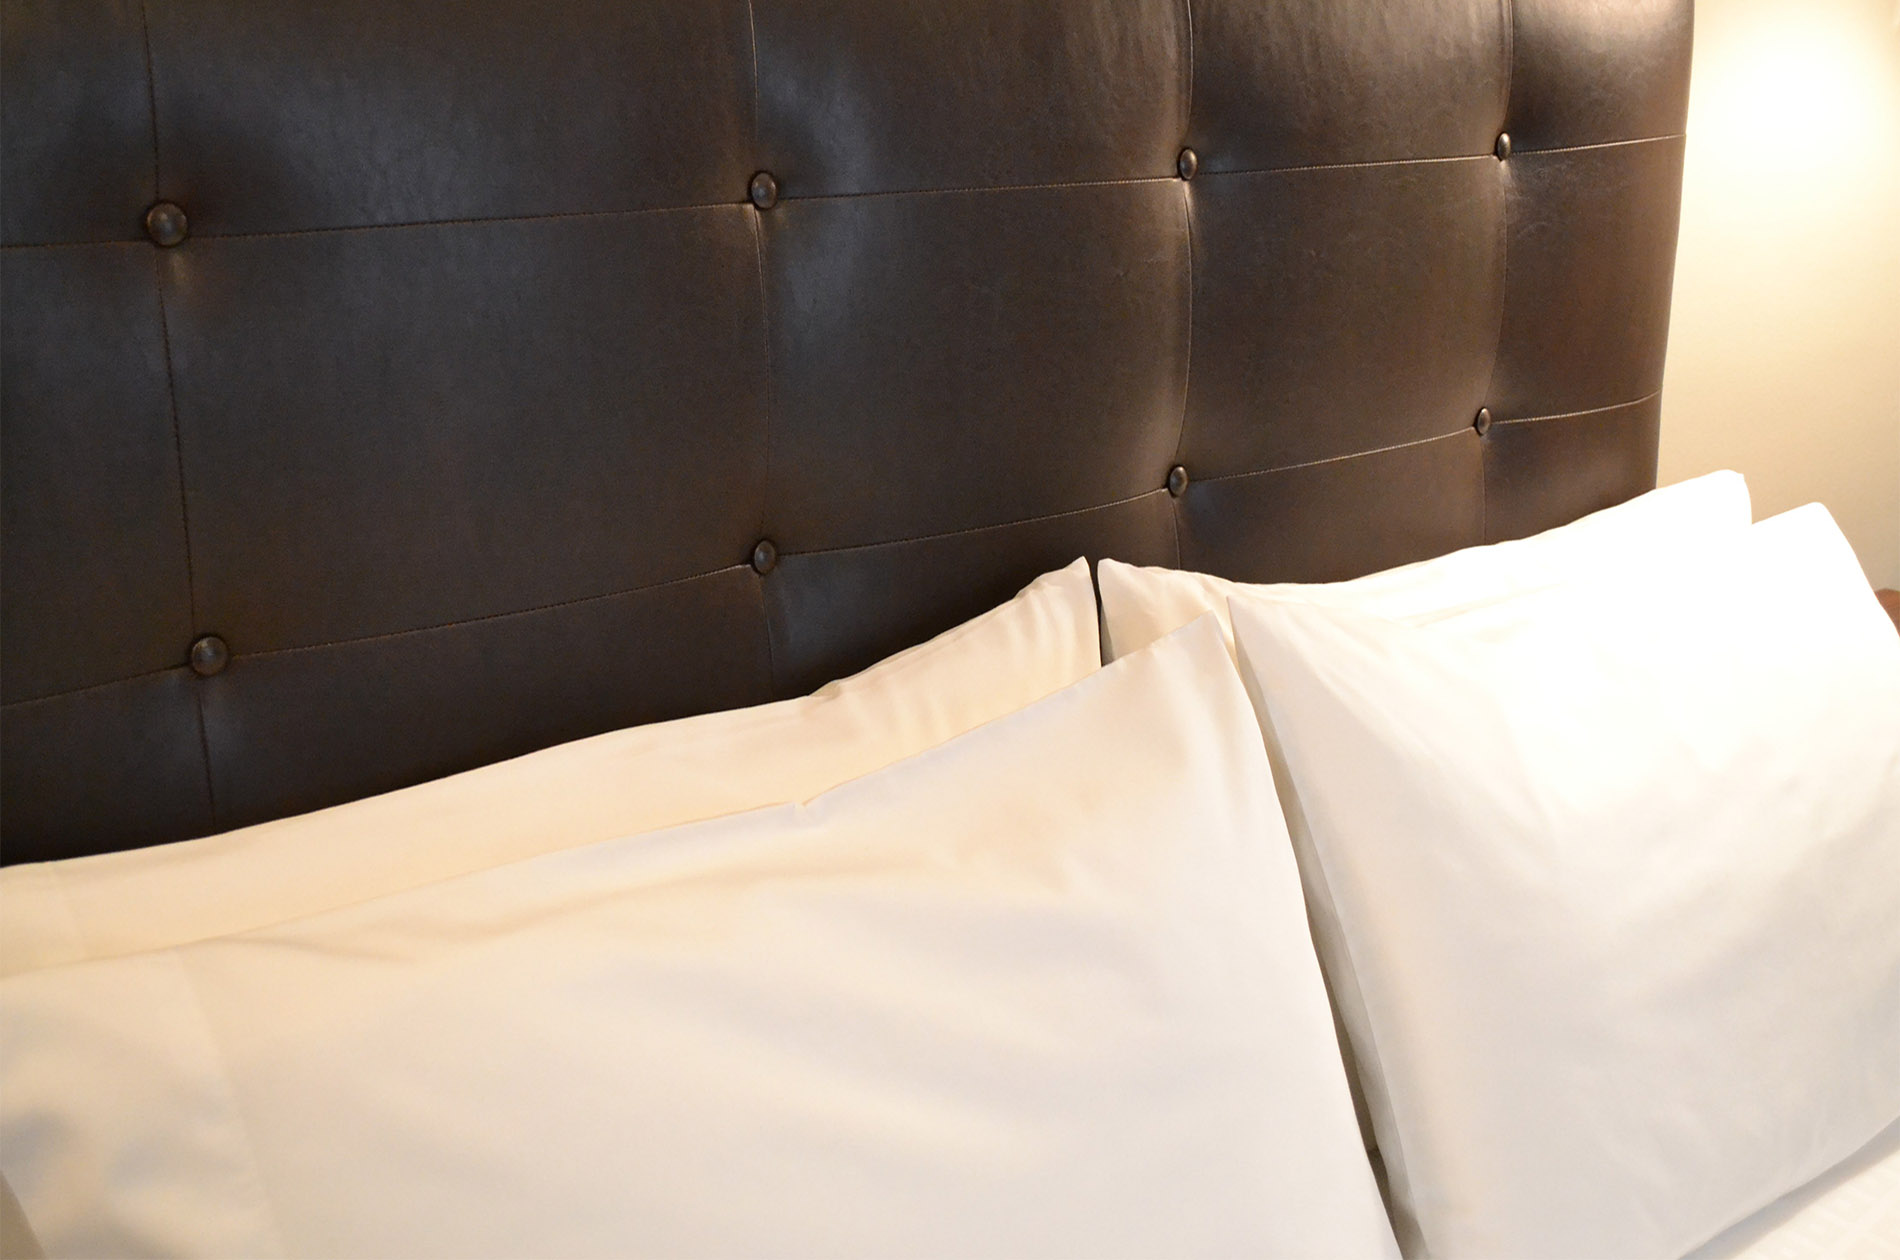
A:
{"x":1607,"y":881}
{"x":1044,"y":990}
{"x":1139,"y":605}
{"x":637,"y":779}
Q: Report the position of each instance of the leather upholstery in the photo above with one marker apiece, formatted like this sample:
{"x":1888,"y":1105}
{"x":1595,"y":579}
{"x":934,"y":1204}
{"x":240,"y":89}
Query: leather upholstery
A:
{"x":482,"y":362}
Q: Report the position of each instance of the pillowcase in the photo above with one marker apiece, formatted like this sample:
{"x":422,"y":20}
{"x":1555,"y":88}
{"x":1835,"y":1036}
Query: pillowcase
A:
{"x":1139,"y":605}
{"x":637,"y":779}
{"x":1606,"y":882}
{"x":1043,"y":990}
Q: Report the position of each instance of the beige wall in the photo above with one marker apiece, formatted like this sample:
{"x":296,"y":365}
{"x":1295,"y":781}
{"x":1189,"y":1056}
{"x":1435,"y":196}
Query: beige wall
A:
{"x":1784,"y":343}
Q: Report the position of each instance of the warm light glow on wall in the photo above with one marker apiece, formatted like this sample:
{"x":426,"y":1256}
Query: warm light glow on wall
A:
{"x":1808,"y":96}
{"x":1784,"y":343}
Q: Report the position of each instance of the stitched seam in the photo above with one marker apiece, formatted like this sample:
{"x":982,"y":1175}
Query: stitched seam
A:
{"x":895,"y":192}
{"x":752,"y":39}
{"x":765,"y":484}
{"x":178,"y":440}
{"x":1587,"y":411}
{"x":1336,"y":459}
{"x":765,"y":348}
{"x":979,"y":529}
{"x":1349,"y":166}
{"x":98,"y":686}
{"x":1510,"y":55}
{"x":987,"y":188}
{"x":1187,"y":119}
{"x":500,"y":616}
{"x":1484,"y":495}
{"x":771,"y":657}
{"x":1187,"y":370}
{"x":473,"y":220}
{"x":204,"y":749}
{"x":151,"y":92}
{"x":1601,"y":144}
{"x":373,"y":638}
{"x":184,"y":514}
{"x":101,"y":243}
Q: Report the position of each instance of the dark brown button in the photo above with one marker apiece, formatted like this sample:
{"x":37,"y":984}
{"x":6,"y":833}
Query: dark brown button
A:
{"x":764,"y":557}
{"x":165,"y":224}
{"x":209,"y":656}
{"x":1503,"y":146}
{"x":1177,"y":481}
{"x":1186,"y":164}
{"x":764,"y":190}
{"x":1483,"y":423}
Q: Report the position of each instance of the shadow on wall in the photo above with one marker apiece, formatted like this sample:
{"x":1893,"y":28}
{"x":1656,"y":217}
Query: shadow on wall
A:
{"x":1784,"y":348}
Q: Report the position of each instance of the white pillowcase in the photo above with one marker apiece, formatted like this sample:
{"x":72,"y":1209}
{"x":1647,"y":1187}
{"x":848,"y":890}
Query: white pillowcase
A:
{"x":637,"y":779}
{"x":1607,"y":881}
{"x":1139,"y":605}
{"x":1045,"y":990}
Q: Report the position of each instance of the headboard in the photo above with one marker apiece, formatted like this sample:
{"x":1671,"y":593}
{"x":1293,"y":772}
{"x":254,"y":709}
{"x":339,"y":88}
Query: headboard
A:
{"x":392,"y":387}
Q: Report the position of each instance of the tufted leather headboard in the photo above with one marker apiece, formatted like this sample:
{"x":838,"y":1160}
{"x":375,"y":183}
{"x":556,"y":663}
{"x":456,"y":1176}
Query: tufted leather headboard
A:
{"x":493,"y":374}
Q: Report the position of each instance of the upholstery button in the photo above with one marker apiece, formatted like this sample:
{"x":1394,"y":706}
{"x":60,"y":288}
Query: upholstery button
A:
{"x":1503,"y":146}
{"x":1483,"y":423}
{"x":165,"y":224}
{"x":1177,"y":481}
{"x":764,"y":190}
{"x":764,"y":557}
{"x":1186,"y":164}
{"x":209,"y":656}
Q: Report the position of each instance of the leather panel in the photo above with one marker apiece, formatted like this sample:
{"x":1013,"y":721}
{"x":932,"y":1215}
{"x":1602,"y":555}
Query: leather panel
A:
{"x":1340,"y":310}
{"x":947,"y":361}
{"x":400,"y":428}
{"x":75,"y":121}
{"x":1319,"y":82}
{"x":276,"y":115}
{"x":299,"y":730}
{"x":861,"y":96}
{"x":1579,"y":333}
{"x":1541,"y":473}
{"x":95,"y":582}
{"x":1408,"y":504}
{"x":1595,"y":71}
{"x":70,"y":792}
{"x":833,"y":613}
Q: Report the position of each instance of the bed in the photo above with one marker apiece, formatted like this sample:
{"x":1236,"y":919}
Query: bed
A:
{"x":391,"y":392}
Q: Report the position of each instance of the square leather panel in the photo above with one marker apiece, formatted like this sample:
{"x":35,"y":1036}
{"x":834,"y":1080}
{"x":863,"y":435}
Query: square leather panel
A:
{"x":1542,"y":473}
{"x":1578,"y":331}
{"x":277,"y":116}
{"x":1408,"y":504}
{"x":876,"y":95}
{"x":71,"y":790}
{"x":75,"y":121}
{"x":93,"y":587}
{"x":1340,"y":310}
{"x":399,"y":428}
{"x":1316,"y":82}
{"x":295,"y":731}
{"x":837,"y":612}
{"x":1587,"y":73}
{"x":947,"y":361}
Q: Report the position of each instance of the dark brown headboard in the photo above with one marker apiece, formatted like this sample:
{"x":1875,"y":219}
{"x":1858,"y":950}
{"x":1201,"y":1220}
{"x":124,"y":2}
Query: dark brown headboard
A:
{"x":484,"y":365}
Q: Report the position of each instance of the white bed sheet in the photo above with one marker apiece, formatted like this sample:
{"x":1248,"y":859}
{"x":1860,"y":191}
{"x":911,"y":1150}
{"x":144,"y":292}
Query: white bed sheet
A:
{"x":1849,"y":1213}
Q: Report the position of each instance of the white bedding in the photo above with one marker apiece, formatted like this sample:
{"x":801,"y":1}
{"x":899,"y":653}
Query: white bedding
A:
{"x":1850,"y":1213}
